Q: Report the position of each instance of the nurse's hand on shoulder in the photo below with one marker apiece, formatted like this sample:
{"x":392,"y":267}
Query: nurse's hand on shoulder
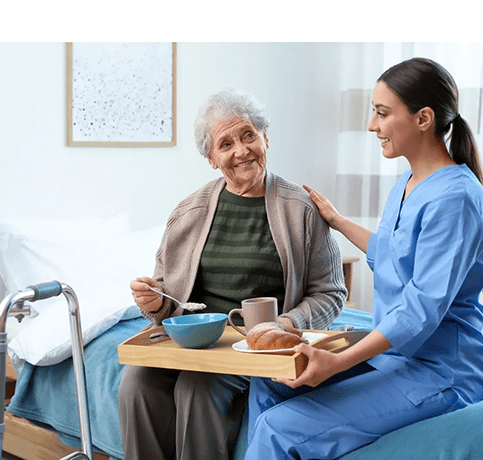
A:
{"x":325,"y":207}
{"x":145,"y":298}
{"x":356,"y":234}
{"x":322,"y":365}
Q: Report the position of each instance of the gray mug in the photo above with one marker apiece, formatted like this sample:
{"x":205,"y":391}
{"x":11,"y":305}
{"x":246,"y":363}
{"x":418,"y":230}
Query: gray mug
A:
{"x":254,"y":311}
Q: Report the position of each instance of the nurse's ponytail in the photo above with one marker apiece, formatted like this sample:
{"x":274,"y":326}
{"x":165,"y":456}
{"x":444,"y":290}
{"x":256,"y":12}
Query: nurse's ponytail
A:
{"x":462,"y":146}
{"x":421,"y":82}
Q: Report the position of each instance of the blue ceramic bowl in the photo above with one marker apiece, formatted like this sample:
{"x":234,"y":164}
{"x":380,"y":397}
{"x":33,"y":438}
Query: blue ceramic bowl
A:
{"x":196,"y":331}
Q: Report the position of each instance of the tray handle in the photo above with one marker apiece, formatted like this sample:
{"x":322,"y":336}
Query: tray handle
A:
{"x":350,"y":338}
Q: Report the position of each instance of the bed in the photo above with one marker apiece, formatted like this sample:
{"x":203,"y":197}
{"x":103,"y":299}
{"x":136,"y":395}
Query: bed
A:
{"x":98,"y":258}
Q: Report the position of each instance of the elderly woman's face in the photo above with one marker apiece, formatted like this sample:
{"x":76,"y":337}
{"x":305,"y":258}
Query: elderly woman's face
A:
{"x":240,"y":152}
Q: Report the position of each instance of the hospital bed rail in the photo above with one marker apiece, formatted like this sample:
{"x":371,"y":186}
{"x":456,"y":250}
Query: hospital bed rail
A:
{"x":14,"y":305}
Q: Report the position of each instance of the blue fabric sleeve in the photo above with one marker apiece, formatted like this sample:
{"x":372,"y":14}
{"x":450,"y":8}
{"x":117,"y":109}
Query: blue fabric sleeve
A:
{"x":446,"y":246}
{"x":371,"y":251}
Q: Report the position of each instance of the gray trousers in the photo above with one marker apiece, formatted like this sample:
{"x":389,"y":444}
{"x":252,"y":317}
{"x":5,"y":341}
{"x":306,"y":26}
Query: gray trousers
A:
{"x":167,"y":414}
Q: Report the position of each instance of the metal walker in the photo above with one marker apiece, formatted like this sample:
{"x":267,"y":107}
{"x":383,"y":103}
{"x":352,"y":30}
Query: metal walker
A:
{"x":14,"y":304}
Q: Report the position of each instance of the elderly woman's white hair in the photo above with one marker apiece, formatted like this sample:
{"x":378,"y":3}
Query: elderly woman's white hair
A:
{"x":223,"y":106}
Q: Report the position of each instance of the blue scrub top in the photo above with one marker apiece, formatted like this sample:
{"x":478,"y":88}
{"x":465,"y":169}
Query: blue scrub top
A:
{"x":427,"y":258}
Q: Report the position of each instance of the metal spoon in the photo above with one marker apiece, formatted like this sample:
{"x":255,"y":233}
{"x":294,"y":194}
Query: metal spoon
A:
{"x":190,"y":306}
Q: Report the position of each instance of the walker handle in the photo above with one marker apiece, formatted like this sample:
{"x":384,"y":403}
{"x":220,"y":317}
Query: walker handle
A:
{"x":46,"y":290}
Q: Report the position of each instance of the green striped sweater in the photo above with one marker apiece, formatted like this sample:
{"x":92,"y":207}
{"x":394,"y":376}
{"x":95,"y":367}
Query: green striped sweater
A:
{"x":239,"y":260}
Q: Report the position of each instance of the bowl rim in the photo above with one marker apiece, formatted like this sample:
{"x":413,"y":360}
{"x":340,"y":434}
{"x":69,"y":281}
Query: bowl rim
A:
{"x":219,"y":318}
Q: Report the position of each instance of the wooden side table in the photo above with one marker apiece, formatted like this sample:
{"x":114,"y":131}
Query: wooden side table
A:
{"x":347,"y":263}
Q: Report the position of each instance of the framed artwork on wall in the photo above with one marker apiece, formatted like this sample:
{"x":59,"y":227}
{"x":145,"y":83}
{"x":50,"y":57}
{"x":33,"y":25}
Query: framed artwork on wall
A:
{"x":121,"y":94}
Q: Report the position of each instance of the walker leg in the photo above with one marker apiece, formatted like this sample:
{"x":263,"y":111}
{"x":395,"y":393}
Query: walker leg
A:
{"x":39,"y":292}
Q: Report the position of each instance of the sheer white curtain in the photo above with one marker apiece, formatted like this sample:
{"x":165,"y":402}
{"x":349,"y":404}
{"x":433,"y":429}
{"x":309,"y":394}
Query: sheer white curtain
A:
{"x":363,"y":176}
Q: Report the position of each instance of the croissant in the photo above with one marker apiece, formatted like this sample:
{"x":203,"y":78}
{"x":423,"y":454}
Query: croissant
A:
{"x":273,"y":336}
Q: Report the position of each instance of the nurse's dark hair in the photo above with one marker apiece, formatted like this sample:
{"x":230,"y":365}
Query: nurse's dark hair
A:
{"x":421,"y":82}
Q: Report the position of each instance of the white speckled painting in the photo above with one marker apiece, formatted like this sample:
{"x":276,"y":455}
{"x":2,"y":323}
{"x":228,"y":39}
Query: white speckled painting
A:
{"x":121,"y":94}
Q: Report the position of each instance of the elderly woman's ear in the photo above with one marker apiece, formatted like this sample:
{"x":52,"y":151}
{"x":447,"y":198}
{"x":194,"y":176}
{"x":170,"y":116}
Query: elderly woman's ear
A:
{"x":265,"y":137}
{"x":212,"y":163}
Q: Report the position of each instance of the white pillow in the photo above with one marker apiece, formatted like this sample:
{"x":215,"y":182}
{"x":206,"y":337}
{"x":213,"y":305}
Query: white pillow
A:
{"x":96,"y":257}
{"x":30,"y":248}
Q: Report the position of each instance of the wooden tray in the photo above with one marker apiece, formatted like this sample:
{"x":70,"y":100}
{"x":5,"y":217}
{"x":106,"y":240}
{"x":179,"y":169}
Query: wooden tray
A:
{"x":221,"y":358}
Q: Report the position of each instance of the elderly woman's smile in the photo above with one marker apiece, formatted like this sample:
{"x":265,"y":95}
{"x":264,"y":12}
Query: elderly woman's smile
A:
{"x":239,"y":151}
{"x":249,"y":162}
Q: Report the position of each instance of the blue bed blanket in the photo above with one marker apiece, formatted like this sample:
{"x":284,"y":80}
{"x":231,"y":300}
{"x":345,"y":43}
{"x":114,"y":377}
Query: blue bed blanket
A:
{"x":360,"y":320}
{"x":46,"y":394}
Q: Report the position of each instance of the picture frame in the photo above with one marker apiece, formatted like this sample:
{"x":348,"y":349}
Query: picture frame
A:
{"x":121,"y":94}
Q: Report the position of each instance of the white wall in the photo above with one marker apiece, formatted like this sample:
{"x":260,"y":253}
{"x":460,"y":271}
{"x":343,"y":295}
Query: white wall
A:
{"x":41,"y":176}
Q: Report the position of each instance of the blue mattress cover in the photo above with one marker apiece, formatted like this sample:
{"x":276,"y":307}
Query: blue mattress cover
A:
{"x":46,"y":396}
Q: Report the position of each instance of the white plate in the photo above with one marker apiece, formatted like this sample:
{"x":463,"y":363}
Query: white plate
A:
{"x":243,"y":346}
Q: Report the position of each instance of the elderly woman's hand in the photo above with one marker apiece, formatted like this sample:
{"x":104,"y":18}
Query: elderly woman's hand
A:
{"x":325,"y":207}
{"x":285,"y":321}
{"x":143,"y":296}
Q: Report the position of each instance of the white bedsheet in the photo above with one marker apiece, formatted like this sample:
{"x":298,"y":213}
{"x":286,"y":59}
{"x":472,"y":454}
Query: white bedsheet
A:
{"x":97,"y":257}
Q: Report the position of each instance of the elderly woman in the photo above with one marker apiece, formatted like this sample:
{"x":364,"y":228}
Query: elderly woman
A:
{"x":247,"y":234}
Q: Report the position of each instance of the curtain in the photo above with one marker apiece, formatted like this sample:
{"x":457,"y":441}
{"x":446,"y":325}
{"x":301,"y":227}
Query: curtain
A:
{"x":363,"y":176}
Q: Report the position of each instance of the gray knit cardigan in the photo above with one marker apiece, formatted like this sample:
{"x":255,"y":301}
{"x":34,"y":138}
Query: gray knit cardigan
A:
{"x":312,"y":266}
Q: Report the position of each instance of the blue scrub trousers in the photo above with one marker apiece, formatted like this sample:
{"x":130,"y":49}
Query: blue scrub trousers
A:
{"x":332,"y":419}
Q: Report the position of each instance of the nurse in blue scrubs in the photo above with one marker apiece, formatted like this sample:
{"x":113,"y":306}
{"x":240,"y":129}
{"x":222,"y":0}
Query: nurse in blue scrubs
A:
{"x":424,"y":356}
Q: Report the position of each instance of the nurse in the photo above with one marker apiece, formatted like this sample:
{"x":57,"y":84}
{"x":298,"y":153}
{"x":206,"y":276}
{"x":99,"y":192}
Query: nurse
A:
{"x":424,"y":356}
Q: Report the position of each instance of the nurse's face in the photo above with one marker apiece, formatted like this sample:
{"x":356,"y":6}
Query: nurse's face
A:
{"x":394,"y":125}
